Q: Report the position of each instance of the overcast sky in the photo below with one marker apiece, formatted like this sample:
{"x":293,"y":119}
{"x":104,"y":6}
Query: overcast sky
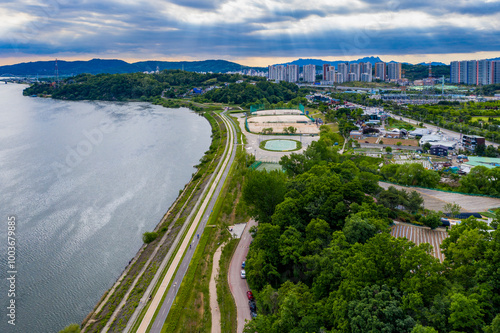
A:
{"x":251,"y":32}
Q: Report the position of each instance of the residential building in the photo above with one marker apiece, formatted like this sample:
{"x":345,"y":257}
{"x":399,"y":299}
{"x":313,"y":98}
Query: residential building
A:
{"x":330,"y":74}
{"x":343,"y":69}
{"x":309,"y":73}
{"x":470,"y":142}
{"x":292,"y":73}
{"x":472,"y":72}
{"x":394,"y":71}
{"x":339,"y":77}
{"x":455,"y":72}
{"x":495,"y":72}
{"x":271,"y":74}
{"x":356,"y":135}
{"x":352,"y":77}
{"x":366,"y":71}
{"x":380,"y":70}
{"x":439,"y":150}
{"x":354,"y":68}
{"x":326,"y":69}
{"x":483,"y":72}
{"x":463,"y":72}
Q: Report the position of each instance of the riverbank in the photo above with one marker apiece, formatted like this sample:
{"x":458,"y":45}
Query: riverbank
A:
{"x":135,"y":279}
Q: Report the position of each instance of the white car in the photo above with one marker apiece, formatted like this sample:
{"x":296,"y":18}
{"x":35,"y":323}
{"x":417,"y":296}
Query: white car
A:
{"x":243,"y":274}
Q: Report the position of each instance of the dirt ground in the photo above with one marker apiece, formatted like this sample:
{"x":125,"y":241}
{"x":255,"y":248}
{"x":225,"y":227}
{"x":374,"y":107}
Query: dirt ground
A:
{"x":370,"y":140}
{"x":391,"y":141}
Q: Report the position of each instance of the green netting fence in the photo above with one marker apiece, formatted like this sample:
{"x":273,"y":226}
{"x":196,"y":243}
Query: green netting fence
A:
{"x":257,"y":107}
{"x":255,"y":165}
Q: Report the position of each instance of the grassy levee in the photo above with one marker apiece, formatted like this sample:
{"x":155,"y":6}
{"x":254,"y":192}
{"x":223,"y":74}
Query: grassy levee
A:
{"x":226,"y":154}
{"x":186,"y":200}
{"x":191,"y":309}
{"x":221,"y":147}
{"x":225,"y":298}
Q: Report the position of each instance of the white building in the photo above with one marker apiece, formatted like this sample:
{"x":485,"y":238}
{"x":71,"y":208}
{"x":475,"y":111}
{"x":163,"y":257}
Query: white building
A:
{"x":309,"y":73}
{"x":292,"y":73}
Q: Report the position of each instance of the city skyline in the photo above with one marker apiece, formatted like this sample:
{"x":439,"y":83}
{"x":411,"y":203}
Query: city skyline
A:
{"x":248,"y":32}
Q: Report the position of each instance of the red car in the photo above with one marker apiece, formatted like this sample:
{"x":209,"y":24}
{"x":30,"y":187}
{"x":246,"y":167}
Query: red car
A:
{"x":249,"y":295}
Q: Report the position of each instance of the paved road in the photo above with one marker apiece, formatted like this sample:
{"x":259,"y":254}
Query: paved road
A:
{"x":452,"y":134}
{"x":239,"y":286}
{"x":436,"y":200}
{"x":188,"y":246}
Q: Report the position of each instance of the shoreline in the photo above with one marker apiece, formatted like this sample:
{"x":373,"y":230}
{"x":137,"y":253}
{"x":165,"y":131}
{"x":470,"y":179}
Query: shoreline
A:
{"x":189,"y":192}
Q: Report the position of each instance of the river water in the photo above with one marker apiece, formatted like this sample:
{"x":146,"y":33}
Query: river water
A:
{"x":84,"y":180}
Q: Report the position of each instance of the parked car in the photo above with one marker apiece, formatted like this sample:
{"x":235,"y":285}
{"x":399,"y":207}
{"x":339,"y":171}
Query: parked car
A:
{"x":253,"y":314}
{"x":250,"y":295}
{"x":252,"y":305}
{"x":243,"y":274}
{"x":243,"y":264}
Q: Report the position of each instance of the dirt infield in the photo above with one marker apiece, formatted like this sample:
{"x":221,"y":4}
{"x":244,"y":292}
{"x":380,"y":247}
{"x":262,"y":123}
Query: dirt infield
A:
{"x":420,"y":235}
{"x":303,"y":124}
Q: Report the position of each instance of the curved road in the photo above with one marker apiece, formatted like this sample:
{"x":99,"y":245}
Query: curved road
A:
{"x":239,"y":286}
{"x":189,"y":244}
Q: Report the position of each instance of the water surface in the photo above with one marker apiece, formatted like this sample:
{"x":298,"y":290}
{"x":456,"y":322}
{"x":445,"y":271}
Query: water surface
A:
{"x":85,"y":180}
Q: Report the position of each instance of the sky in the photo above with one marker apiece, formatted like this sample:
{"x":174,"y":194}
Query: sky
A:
{"x":250,"y":32}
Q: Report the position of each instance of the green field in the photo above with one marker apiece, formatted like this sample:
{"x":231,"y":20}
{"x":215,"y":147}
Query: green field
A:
{"x":481,"y":118}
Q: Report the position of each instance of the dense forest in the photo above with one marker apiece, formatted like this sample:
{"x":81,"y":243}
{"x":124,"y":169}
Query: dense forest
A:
{"x":322,"y":258}
{"x":135,"y":86}
{"x":419,"y":72}
{"x":263,"y":92}
{"x":488,"y":90}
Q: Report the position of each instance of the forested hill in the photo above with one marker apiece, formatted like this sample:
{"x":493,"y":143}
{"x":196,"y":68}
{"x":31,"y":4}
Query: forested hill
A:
{"x":113,"y":66}
{"x":323,"y":260}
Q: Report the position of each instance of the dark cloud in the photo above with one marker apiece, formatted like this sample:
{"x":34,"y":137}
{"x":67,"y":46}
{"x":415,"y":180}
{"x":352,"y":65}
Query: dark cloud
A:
{"x":97,"y":27}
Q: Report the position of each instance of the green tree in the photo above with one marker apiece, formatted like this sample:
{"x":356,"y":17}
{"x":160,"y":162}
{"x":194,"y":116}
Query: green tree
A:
{"x":73,"y":328}
{"x":388,"y":150}
{"x":453,"y":209}
{"x":466,"y":313}
{"x":415,"y":202}
{"x":377,"y":309}
{"x":357,"y":230}
{"x":426,"y":147}
{"x":432,"y":220}
{"x":423,"y":329}
{"x":148,"y":237}
{"x":263,"y":191}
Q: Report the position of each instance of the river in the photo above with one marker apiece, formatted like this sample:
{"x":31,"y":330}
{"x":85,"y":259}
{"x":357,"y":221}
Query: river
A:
{"x":83,"y":181}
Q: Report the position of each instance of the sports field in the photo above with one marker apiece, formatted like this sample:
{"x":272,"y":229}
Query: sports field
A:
{"x":303,"y":124}
{"x":281,"y":145}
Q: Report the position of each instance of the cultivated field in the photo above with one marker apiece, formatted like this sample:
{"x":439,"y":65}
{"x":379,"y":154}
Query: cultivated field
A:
{"x":420,"y":235}
{"x":393,"y":141}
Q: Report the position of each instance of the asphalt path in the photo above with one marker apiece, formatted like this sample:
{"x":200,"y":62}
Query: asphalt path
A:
{"x":181,"y":272}
{"x":239,"y":286}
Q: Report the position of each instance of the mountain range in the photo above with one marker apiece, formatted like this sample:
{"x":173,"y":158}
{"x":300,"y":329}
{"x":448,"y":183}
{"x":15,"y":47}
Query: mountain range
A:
{"x":113,"y":66}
